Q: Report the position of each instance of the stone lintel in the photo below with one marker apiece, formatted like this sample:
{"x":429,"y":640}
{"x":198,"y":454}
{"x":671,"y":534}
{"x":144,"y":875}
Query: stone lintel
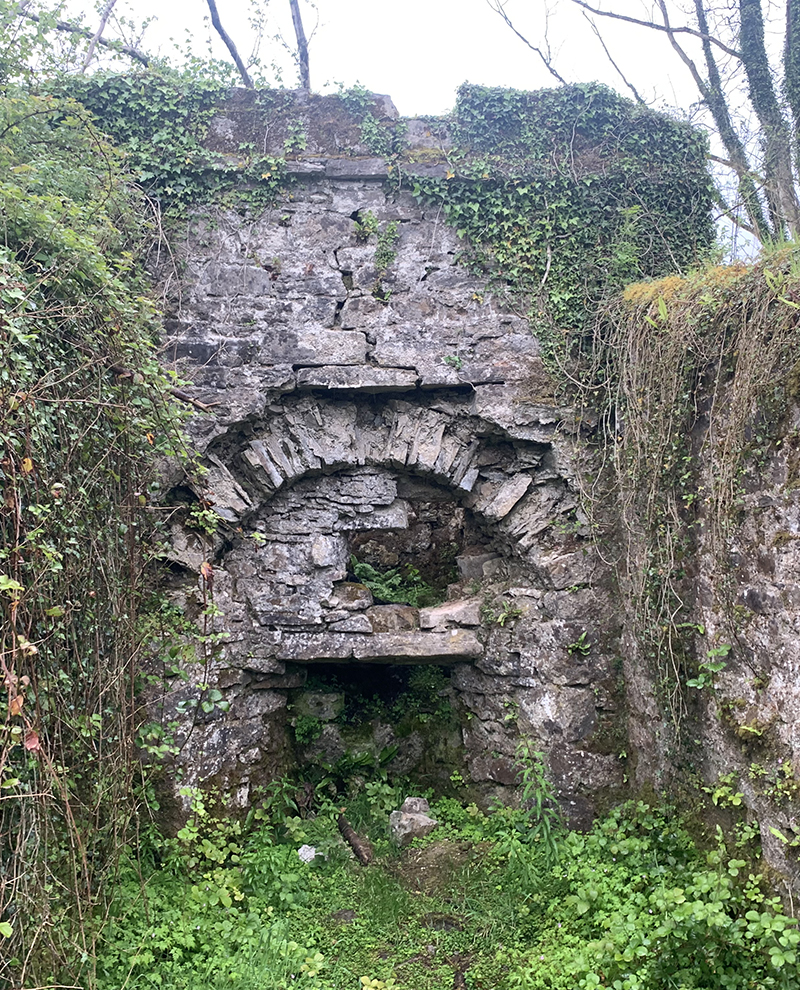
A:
{"x":455,"y":646}
{"x":364,"y":378}
{"x":310,"y":346}
{"x":356,"y":168}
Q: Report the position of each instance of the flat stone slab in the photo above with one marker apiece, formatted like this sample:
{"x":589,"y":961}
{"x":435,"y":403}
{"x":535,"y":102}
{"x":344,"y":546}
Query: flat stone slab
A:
{"x":364,"y":378}
{"x":356,"y":168}
{"x":396,"y":647}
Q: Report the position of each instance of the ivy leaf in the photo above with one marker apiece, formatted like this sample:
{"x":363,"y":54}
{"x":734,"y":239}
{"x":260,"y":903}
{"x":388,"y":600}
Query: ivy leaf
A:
{"x":11,"y":587}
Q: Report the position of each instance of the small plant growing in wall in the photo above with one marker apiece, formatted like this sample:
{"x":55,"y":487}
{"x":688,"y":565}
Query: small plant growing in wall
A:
{"x":366,"y":225}
{"x":307,"y":728}
{"x":724,"y":793}
{"x":710,"y":666}
{"x":398,"y":585}
{"x":385,"y":252}
{"x":581,"y":646}
{"x":454,"y":361}
{"x":296,"y":140}
{"x":498,"y":615}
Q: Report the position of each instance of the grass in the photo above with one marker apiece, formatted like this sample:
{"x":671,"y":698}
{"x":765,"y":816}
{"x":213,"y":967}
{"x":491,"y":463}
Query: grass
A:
{"x":481,"y":904}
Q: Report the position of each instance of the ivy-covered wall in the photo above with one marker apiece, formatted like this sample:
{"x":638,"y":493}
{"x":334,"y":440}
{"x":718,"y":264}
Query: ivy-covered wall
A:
{"x":562,"y":195}
{"x":396,"y":333}
{"x":378,"y":322}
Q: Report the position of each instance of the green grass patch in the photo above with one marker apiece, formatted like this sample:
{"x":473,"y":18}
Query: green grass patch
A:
{"x":634,"y":904}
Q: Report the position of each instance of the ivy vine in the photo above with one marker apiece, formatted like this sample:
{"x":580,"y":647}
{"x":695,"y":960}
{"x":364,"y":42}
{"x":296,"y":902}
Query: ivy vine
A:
{"x":563,"y":196}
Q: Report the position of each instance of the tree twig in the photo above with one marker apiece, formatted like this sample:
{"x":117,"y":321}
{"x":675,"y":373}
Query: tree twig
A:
{"x":620,"y":73}
{"x":498,"y":6}
{"x":114,"y":46}
{"x":98,"y":34}
{"x":659,"y":27}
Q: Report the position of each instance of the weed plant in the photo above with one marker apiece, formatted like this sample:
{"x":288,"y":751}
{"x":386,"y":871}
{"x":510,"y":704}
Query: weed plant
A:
{"x":489,"y":901}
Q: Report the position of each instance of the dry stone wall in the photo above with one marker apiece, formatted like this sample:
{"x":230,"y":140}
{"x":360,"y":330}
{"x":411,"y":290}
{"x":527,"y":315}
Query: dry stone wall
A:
{"x":400,"y":414}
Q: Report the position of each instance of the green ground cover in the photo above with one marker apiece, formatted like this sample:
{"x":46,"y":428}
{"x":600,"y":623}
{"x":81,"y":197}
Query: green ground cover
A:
{"x":487,"y":901}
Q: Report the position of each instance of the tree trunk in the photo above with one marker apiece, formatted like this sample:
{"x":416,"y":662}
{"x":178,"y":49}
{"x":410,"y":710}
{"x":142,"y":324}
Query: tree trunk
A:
{"x":714,"y":97}
{"x":791,"y":71}
{"x":780,"y":190}
{"x":302,"y":46}
{"x":212,"y":6}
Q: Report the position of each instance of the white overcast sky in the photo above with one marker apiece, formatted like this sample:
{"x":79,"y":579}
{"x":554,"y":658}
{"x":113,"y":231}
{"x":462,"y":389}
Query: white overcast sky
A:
{"x":419,"y":51}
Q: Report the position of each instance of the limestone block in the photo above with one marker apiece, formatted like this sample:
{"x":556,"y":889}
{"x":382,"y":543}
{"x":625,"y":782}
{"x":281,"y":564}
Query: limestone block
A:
{"x":537,"y":511}
{"x":464,"y":473}
{"x":258,"y":458}
{"x":566,"y":570}
{"x":187,"y":548}
{"x":496,"y":499}
{"x":427,"y":442}
{"x":510,"y":358}
{"x":327,"y":551}
{"x":361,"y":487}
{"x":426,"y":358}
{"x":397,"y":647}
{"x":413,"y":647}
{"x":462,"y":613}
{"x":394,"y":516}
{"x":256,"y":704}
{"x":356,"y":168}
{"x":359,"y":312}
{"x":312,"y":347}
{"x":404,"y":827}
{"x":523,"y":420}
{"x":351,"y":596}
{"x":498,"y":769}
{"x":358,"y":623}
{"x":229,"y":499}
{"x":392,"y":618}
{"x":365,"y":379}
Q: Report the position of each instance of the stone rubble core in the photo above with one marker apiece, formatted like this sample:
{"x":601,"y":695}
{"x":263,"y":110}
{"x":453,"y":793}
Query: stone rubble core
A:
{"x":415,"y":426}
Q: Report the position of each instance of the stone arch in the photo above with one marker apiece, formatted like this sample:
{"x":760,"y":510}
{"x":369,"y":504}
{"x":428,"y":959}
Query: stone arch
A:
{"x":519,"y":494}
{"x":317,"y":456}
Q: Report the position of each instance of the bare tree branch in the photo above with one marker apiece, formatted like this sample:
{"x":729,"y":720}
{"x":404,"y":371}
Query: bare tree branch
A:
{"x":114,"y":46}
{"x":212,"y":6}
{"x":620,"y":73}
{"x":302,"y":46}
{"x":98,"y":34}
{"x":658,"y":27}
{"x":498,"y":6}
